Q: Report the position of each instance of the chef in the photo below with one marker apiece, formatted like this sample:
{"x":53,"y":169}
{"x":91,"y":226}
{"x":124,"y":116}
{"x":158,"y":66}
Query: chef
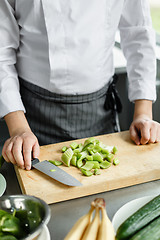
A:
{"x":56,"y":71}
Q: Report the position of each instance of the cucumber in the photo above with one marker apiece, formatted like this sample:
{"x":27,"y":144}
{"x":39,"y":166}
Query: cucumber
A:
{"x":151,"y":231}
{"x":139,"y":219}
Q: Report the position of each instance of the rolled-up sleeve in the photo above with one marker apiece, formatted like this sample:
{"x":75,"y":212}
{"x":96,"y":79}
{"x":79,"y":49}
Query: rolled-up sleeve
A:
{"x":138,"y":45}
{"x":10,"y":99}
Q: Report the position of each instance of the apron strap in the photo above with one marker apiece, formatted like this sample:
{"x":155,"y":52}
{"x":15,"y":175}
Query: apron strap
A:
{"x":113,"y":100}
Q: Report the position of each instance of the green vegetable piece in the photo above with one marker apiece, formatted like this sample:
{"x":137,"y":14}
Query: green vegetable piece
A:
{"x":104,"y":156}
{"x":79,"y":163}
{"x":2,"y":213}
{"x":88,"y":165}
{"x":64,"y":148}
{"x":74,"y":145}
{"x":89,"y":145}
{"x":95,"y":164}
{"x":67,"y":156}
{"x":97,"y":157}
{"x":86,"y":172}
{"x":74,"y":161}
{"x":105,"y":151}
{"x":97,"y":171}
{"x":116,"y":161}
{"x":1,"y":161}
{"x":110,"y":157}
{"x":4,"y":236}
{"x":52,"y":170}
{"x":97,"y":148}
{"x":89,"y":140}
{"x":105,"y":164}
{"x":82,"y":155}
{"x":114,"y":150}
{"x":148,"y":232}
{"x":140,"y":220}
{"x":77,"y":150}
{"x":90,"y":149}
{"x":80,"y":145}
{"x":11,"y":225}
{"x":89,"y":157}
{"x":56,"y":162}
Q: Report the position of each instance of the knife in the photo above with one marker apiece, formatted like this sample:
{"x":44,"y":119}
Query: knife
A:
{"x":55,"y":172}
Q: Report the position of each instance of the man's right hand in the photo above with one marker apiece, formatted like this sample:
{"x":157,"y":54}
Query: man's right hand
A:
{"x":19,"y":149}
{"x":22,"y":144}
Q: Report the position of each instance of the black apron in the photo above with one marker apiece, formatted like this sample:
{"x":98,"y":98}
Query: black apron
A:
{"x":55,"y":117}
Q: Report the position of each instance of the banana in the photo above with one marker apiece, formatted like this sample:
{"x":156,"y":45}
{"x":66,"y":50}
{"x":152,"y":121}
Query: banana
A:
{"x":92,"y":229}
{"x":80,"y":226}
{"x":106,"y":230}
{"x":97,"y":228}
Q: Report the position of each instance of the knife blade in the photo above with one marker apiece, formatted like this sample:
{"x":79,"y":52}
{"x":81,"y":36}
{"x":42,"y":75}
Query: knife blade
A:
{"x":55,"y":172}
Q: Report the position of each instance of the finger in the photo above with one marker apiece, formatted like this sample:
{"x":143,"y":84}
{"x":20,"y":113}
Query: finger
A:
{"x":17,"y":152}
{"x":145,"y":133}
{"x":36,"y":150}
{"x":153,"y":133}
{"x":158,"y":134}
{"x":27,"y":153}
{"x":4,"y":151}
{"x":9,"y":153}
{"x":134,"y":135}
{"x":5,"y":157}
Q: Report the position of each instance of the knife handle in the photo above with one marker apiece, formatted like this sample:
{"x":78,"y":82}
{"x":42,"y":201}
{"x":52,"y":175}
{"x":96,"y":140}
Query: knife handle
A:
{"x":34,"y":161}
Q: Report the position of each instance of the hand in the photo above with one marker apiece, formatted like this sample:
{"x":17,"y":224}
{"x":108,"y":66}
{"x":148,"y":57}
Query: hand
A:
{"x":143,"y":130}
{"x":20,"y":148}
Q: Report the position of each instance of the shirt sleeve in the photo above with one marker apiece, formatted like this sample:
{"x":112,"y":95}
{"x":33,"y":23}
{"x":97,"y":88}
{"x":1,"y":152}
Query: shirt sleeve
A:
{"x":138,"y":45}
{"x":10,"y":99}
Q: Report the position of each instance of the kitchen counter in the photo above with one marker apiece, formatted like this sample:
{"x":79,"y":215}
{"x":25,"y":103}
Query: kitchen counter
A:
{"x":64,"y":214}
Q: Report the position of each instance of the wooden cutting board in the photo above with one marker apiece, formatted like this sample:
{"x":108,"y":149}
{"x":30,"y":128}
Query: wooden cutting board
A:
{"x":138,"y":164}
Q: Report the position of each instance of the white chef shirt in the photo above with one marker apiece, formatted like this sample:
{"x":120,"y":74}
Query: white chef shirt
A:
{"x":66,"y":46}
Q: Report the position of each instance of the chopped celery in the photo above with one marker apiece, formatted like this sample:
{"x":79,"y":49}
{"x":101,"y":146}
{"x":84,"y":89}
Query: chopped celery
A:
{"x":67,"y":156}
{"x":89,"y":157}
{"x":104,"y":156}
{"x":74,"y":145}
{"x":114,"y":150}
{"x":56,"y":162}
{"x":52,"y":170}
{"x":79,"y":163}
{"x":116,"y":161}
{"x":88,"y":165}
{"x":77,"y":150}
{"x":105,"y":151}
{"x":82,"y":155}
{"x":97,"y":171}
{"x":64,"y":148}
{"x":74,"y":161}
{"x":109,"y":157}
{"x":89,"y":140}
{"x":93,"y":154}
{"x":97,"y":157}
{"x":105,"y":164}
{"x":90,"y":150}
{"x":89,"y":145}
{"x":97,"y":148}
{"x":86,"y":172}
{"x":95,"y":164}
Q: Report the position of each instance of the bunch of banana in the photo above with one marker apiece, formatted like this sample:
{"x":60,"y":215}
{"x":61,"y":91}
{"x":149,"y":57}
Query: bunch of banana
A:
{"x":93,"y":225}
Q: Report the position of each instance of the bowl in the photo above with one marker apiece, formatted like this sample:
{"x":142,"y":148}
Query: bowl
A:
{"x":33,"y":213}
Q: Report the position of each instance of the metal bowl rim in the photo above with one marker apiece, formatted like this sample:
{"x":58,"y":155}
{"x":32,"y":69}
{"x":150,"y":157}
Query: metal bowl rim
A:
{"x":46,"y":217}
